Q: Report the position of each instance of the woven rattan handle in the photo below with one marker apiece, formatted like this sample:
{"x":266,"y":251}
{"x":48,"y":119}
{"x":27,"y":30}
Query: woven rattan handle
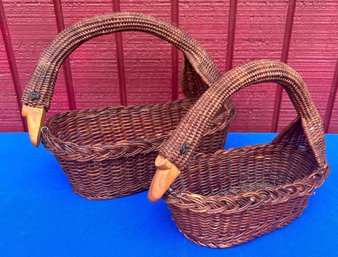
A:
{"x":38,"y":94}
{"x":172,"y":158}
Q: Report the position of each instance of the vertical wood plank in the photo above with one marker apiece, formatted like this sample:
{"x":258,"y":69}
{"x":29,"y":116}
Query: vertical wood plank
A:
{"x":284,"y":58}
{"x":94,"y":64}
{"x":66,"y":64}
{"x":208,"y":23}
{"x":313,"y":53}
{"x":231,"y":34}
{"x":11,"y":62}
{"x":331,"y":100}
{"x":147,"y":59}
{"x":260,"y":29}
{"x":32,"y":25}
{"x":120,"y":59}
{"x":174,"y":52}
{"x":333,"y":124}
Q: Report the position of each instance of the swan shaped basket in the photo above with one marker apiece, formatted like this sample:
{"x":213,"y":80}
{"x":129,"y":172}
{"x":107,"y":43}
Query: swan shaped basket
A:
{"x":231,"y":196}
{"x":109,"y":152}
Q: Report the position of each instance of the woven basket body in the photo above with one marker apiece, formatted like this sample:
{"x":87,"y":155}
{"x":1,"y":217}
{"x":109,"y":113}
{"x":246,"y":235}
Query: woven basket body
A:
{"x":230,"y":197}
{"x":109,"y":152}
{"x":255,"y":172}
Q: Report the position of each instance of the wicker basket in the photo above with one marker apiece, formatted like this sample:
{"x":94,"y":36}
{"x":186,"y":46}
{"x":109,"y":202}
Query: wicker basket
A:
{"x":232,"y":196}
{"x":109,"y":152}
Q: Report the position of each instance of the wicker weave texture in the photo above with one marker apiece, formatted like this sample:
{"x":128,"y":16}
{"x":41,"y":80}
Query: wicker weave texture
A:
{"x":230,"y":197}
{"x":200,"y":64}
{"x":109,"y":152}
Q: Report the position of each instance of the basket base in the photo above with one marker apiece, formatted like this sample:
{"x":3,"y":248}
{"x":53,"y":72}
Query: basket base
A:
{"x":230,"y":232}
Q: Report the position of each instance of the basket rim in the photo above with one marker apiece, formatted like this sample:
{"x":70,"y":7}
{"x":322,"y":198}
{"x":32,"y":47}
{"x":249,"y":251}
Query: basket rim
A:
{"x":237,"y":202}
{"x":125,"y":147}
{"x":120,"y":108}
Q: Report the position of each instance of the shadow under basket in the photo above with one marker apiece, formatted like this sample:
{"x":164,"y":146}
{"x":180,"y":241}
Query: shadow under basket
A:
{"x":110,"y":152}
{"x":230,"y":197}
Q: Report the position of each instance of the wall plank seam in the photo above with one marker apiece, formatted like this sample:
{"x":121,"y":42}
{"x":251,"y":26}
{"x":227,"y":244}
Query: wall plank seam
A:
{"x":11,"y":61}
{"x":284,"y":58}
{"x":120,"y":59}
{"x":231,"y":34}
{"x":174,"y":52}
{"x":331,"y":100}
{"x":66,"y":64}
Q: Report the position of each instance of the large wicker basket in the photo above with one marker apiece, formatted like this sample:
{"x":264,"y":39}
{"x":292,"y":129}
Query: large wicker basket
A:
{"x":230,"y":197}
{"x":109,"y":152}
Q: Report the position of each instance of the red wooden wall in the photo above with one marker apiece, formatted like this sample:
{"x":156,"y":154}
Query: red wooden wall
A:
{"x":136,"y":68}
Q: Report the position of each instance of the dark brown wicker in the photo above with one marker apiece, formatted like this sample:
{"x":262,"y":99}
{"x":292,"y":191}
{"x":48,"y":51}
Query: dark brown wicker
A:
{"x":109,"y":152}
{"x":230,"y":197}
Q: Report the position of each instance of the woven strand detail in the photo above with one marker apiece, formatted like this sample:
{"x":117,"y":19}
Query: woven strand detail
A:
{"x":68,"y":150}
{"x":194,"y":124}
{"x":230,"y":197}
{"x":44,"y":76}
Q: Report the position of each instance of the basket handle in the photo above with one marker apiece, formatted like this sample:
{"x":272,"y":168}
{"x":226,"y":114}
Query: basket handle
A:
{"x":177,"y":150}
{"x":38,"y":94}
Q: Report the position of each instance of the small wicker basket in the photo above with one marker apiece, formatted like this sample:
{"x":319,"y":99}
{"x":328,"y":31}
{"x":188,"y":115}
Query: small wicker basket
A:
{"x":232,"y":196}
{"x":109,"y":152}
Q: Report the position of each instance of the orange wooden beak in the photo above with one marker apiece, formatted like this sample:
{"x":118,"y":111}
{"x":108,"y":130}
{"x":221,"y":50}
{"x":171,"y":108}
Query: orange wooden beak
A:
{"x":35,"y":120}
{"x":165,"y":175}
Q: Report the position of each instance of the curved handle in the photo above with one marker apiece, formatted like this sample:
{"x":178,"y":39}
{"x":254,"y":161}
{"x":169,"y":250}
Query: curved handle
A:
{"x":38,"y":94}
{"x":172,"y":159}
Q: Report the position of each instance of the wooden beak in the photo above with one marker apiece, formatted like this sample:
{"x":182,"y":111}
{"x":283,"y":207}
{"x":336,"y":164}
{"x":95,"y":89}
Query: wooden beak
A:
{"x":35,"y":120}
{"x":165,"y":175}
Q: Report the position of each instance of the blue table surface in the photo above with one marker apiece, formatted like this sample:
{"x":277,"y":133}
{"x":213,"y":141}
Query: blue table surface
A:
{"x":41,"y":216}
